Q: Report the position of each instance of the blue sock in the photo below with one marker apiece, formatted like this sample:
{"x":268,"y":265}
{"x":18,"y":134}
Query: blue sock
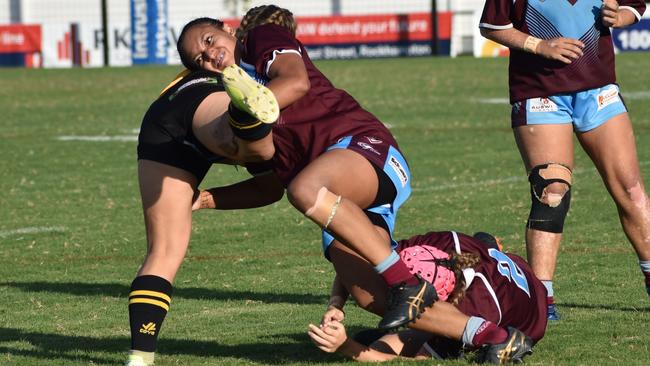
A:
{"x":645,"y":268}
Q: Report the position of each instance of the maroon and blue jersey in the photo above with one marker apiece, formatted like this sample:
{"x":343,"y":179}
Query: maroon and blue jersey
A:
{"x":501,"y":289}
{"x":535,"y":76}
{"x":318,"y":120}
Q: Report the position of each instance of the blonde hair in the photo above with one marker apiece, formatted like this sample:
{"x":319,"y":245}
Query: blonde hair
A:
{"x":266,"y":14}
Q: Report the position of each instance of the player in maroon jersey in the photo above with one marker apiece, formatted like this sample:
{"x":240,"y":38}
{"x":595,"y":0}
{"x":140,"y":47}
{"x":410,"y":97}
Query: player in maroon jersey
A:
{"x":503,"y":304}
{"x":340,"y":165}
{"x":562,"y":79}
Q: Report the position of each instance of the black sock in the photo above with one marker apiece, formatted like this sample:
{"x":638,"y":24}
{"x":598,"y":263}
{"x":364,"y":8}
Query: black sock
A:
{"x":245,"y":126}
{"x":148,"y":304}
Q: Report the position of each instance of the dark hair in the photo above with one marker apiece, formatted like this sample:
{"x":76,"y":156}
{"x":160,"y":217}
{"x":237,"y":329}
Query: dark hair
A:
{"x":185,"y":58}
{"x":266,"y":14}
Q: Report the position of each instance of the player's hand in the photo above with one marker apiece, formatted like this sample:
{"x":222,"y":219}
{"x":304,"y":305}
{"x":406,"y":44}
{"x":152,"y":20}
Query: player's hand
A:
{"x":332,"y":314}
{"x":328,"y":338}
{"x":609,"y":13}
{"x":203,"y":200}
{"x":561,"y":49}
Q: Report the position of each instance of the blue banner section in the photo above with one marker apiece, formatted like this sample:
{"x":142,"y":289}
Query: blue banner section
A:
{"x":149,"y":31}
{"x":634,"y":38}
{"x":375,"y":50}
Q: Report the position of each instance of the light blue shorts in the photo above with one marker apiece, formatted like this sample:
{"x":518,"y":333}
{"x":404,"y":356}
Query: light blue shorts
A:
{"x":586,"y":110}
{"x":391,"y":161}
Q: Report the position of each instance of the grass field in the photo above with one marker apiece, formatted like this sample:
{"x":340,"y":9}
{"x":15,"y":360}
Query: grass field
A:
{"x":72,"y":237}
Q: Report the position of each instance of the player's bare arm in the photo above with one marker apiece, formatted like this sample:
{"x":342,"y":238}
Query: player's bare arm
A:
{"x":257,"y":191}
{"x":288,"y":78}
{"x":338,"y":297}
{"x":561,"y":49}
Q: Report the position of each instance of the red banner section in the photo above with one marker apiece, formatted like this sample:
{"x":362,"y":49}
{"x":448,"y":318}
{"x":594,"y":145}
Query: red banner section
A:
{"x":386,"y":28}
{"x":371,"y":28}
{"x":20,"y":38}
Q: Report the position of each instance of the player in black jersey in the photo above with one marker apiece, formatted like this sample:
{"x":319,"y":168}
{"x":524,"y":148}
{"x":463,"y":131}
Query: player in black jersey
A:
{"x":193,"y":124}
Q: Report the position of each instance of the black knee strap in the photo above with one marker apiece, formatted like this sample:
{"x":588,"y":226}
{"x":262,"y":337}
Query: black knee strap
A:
{"x":543,"y":217}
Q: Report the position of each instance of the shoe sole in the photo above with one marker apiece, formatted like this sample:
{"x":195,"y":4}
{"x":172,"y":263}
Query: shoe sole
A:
{"x":250,"y":96}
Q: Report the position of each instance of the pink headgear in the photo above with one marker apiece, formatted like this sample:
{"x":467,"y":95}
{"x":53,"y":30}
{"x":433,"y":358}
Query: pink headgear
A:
{"x":422,"y":260}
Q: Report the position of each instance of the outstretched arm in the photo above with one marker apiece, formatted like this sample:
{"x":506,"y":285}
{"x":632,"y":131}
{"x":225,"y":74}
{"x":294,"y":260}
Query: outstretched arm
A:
{"x":257,"y":191}
{"x":333,"y":338}
{"x":338,"y":297}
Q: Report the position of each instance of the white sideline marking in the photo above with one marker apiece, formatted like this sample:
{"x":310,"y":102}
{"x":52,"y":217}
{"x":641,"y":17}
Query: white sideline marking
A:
{"x":518,"y":178}
{"x":32,"y":230}
{"x":636,"y":95}
{"x":493,"y":100}
{"x":98,"y":138}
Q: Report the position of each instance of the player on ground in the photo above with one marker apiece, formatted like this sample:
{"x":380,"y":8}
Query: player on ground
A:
{"x":340,"y":165}
{"x":562,"y":79}
{"x":502,"y":304}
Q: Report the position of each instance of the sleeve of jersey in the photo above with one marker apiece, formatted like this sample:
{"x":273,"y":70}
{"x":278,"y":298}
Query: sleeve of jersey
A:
{"x":637,"y":7}
{"x":265,"y":42}
{"x":261,"y":168}
{"x":496,"y":15}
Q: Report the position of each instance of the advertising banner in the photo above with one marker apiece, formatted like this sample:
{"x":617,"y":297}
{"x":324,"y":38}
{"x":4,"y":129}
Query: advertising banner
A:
{"x":387,"y":35}
{"x":20,"y":38}
{"x":20,"y":45}
{"x":635,"y":38}
{"x":149,"y":31}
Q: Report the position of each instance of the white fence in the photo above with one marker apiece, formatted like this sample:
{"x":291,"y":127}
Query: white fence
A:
{"x":55,"y":17}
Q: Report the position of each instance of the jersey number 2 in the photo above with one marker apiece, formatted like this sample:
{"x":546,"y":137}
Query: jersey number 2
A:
{"x":510,"y":270}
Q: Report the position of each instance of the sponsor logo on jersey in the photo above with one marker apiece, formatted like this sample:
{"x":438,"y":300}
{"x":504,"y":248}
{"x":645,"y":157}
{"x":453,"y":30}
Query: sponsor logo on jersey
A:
{"x":537,"y":105}
{"x":373,"y":140}
{"x":365,"y":146}
{"x":607,"y":97}
{"x":401,"y":172}
{"x":207,"y":80}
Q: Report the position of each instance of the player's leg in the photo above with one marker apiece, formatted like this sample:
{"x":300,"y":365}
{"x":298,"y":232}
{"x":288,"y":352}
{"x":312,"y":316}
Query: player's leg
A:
{"x":612,"y":147}
{"x":545,"y":150}
{"x":166,"y":194}
{"x":237,"y":125}
{"x":360,"y":279}
{"x":331,"y":191}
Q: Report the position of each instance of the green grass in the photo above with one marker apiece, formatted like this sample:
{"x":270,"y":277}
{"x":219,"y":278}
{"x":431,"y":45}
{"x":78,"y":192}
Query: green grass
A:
{"x":253,"y":280}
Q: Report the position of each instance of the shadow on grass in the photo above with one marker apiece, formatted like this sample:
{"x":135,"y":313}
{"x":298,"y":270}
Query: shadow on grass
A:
{"x":632,"y":309}
{"x":80,"y":348}
{"x":197,"y":293}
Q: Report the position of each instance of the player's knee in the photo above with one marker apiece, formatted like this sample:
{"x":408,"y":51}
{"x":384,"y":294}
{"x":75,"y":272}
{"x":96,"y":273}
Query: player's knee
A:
{"x":550,"y":190}
{"x":324,"y":208}
{"x":637,"y":195}
{"x":301,"y":195}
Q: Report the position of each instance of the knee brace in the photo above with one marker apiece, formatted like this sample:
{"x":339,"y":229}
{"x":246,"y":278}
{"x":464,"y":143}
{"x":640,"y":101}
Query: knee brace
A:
{"x":548,"y":210}
{"x":324,"y":209}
